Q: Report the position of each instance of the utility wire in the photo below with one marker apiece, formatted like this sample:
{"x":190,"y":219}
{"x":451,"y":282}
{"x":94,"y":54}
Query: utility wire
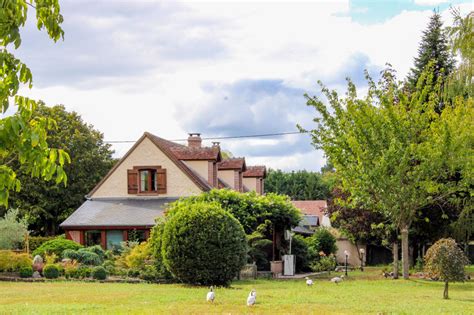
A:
{"x":223,"y":137}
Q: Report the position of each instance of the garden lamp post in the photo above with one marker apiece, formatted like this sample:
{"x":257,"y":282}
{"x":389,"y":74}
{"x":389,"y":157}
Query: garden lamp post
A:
{"x":362,"y":252}
{"x":346,"y":253}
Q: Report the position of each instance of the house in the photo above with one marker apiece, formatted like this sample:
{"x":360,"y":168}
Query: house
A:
{"x":314,"y":216}
{"x":154,"y":172}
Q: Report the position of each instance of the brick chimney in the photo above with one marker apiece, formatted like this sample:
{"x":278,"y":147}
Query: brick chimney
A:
{"x":194,"y":140}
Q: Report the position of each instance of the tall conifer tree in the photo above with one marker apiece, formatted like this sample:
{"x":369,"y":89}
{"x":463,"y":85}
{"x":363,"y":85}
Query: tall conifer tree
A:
{"x":433,"y":45}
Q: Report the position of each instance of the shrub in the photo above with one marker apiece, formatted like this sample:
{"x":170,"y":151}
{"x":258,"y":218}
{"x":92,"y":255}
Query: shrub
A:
{"x":87,"y":256}
{"x":56,"y":246}
{"x":148,"y":273}
{"x":51,"y":271}
{"x":11,"y":261}
{"x":109,"y":266}
{"x":445,"y":261}
{"x":155,"y":242}
{"x":12,"y":230}
{"x":325,"y":263}
{"x":99,"y":273}
{"x":138,"y":255}
{"x":322,"y":240}
{"x":37,"y":241}
{"x":26,"y":272}
{"x":299,"y":248}
{"x":203,"y":244}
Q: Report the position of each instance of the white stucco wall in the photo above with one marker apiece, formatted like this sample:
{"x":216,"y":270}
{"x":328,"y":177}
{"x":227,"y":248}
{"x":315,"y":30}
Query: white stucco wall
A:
{"x":147,"y":154}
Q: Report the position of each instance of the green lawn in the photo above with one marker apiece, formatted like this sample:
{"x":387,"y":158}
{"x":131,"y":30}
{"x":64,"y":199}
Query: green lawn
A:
{"x":364,"y":293}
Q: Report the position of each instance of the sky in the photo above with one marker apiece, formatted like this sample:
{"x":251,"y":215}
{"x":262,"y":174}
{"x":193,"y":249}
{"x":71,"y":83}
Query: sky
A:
{"x":219,"y":68}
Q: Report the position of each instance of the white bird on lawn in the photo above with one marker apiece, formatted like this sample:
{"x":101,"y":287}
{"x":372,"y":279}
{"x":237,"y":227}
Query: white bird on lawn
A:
{"x":252,"y":298}
{"x":336,"y":280}
{"x":309,"y":282}
{"x":210,"y":295}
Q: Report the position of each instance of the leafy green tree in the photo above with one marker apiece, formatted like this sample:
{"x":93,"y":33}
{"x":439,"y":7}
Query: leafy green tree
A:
{"x":445,"y":261}
{"x":47,"y":204}
{"x":461,"y":38}
{"x":300,"y":185}
{"x":12,"y":230}
{"x":22,"y":134}
{"x":394,"y":152}
{"x":433,"y":47}
{"x":322,"y":241}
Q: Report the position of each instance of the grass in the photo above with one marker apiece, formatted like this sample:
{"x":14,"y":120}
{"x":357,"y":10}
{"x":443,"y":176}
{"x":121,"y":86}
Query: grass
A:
{"x":362,"y":293}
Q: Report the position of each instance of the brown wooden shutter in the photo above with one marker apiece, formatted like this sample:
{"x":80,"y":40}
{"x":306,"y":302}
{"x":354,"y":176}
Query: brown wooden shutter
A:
{"x":161,"y":179}
{"x":132,"y":181}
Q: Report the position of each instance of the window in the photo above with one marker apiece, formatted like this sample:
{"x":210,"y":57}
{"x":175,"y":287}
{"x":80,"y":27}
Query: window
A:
{"x":136,"y":236}
{"x":147,"y":180}
{"x":93,"y":238}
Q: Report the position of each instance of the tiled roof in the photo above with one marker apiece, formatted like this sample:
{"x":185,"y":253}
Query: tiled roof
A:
{"x":311,"y":207}
{"x":232,"y":164}
{"x":118,"y":212}
{"x":255,"y":171}
{"x":183,"y":152}
{"x":167,"y":148}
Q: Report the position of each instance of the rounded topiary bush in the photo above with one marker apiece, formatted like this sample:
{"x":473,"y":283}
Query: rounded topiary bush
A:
{"x":445,"y":261}
{"x":203,"y":244}
{"x":99,"y":273}
{"x":26,"y":272}
{"x":51,"y":271}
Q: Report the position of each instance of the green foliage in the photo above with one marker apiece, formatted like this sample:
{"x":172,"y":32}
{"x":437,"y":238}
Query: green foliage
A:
{"x":93,"y":255}
{"x":56,"y":246}
{"x":138,"y":255}
{"x":394,"y":153}
{"x":155,"y":242}
{"x":149,"y":273}
{"x":46,"y":204}
{"x":26,"y":272}
{"x":12,"y":230}
{"x":203,"y":244}
{"x":322,"y":241}
{"x":99,"y":273}
{"x":37,"y":241}
{"x":433,"y":48}
{"x":51,"y":271}
{"x":11,"y":261}
{"x":445,"y":261}
{"x":300,"y":185}
{"x":258,"y":246}
{"x":304,"y":256}
{"x":325,"y":263}
{"x":250,"y":209}
{"x":23,"y":136}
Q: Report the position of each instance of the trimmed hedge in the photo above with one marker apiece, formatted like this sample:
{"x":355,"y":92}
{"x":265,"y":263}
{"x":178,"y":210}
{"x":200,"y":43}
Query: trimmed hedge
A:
{"x":203,"y":244}
{"x":51,"y":271}
{"x":26,"y":272}
{"x":11,"y":261}
{"x":99,"y":273}
{"x":56,"y":246}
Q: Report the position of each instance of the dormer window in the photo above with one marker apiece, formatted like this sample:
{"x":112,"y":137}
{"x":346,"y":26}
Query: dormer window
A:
{"x":147,"y":180}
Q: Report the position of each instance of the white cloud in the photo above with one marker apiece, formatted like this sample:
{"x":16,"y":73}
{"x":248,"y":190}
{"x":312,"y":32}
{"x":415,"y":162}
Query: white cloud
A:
{"x":131,"y":67}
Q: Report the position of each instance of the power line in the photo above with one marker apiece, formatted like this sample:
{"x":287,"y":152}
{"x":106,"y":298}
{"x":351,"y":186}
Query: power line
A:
{"x":224,"y":137}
